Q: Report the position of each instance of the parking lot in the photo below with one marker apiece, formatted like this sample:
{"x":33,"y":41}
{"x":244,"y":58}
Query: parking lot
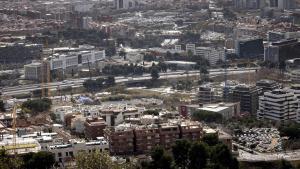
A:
{"x":263,"y":140}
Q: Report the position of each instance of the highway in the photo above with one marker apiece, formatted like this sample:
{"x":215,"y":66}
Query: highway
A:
{"x":23,"y":89}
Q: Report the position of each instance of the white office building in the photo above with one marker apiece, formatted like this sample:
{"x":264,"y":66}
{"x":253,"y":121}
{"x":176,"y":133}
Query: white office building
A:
{"x":211,"y":54}
{"x":33,"y":71}
{"x":190,"y":47}
{"x":280,"y":105}
{"x":178,"y":48}
{"x":86,"y":21}
{"x":75,"y":59}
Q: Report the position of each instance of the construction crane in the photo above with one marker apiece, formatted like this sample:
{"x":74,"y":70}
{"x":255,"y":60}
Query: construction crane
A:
{"x":45,"y":75}
{"x":14,"y":130}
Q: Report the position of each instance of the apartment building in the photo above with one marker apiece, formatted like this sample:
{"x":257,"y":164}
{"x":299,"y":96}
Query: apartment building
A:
{"x":146,"y":138}
{"x":266,"y":85}
{"x":93,"y":127}
{"x":295,"y":76}
{"x":65,"y":152}
{"x":247,"y":96}
{"x":190,"y":130}
{"x":128,"y":138}
{"x":280,"y":105}
{"x":120,"y":138}
{"x":116,"y":115}
{"x":295,"y":88}
{"x":168,"y":133}
{"x":207,"y":94}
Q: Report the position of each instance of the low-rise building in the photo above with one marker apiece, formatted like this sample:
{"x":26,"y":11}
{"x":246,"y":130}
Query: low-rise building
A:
{"x":65,"y":152}
{"x":228,"y":110}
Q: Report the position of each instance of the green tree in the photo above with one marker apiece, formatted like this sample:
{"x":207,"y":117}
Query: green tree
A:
{"x":39,"y":160}
{"x":154,"y":73}
{"x":160,"y":159}
{"x":9,"y":162}
{"x":221,"y":155}
{"x":210,"y":139}
{"x":98,"y":160}
{"x":2,"y":106}
{"x":292,"y":131}
{"x":90,"y":85}
{"x":181,"y":153}
{"x":110,"y":81}
{"x":207,"y":116}
{"x":37,"y":105}
{"x":198,"y":156}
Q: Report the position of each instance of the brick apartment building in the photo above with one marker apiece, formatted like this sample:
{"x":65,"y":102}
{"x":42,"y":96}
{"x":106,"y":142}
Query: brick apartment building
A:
{"x":121,"y":139}
{"x":139,"y":139}
{"x":94,"y":127}
{"x":146,"y":138}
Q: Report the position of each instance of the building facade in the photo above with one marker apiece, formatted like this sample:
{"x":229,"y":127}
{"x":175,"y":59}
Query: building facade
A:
{"x":248,"y":98}
{"x":280,"y":105}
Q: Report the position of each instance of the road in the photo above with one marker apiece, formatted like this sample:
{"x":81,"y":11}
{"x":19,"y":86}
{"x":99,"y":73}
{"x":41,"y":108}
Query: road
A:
{"x":23,"y":89}
{"x":289,"y":156}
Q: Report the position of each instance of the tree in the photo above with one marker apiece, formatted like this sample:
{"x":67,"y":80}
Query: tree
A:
{"x":90,"y":85}
{"x":154,"y":73}
{"x":110,"y":81}
{"x":292,"y":131}
{"x":160,"y":159}
{"x":198,"y":156}
{"x":285,"y":165}
{"x":2,"y":106}
{"x":222,"y":156}
{"x":99,"y":160}
{"x":168,"y":55}
{"x":39,"y":160}
{"x":7,"y":162}
{"x":162,"y":66}
{"x":210,"y":139}
{"x":181,"y":153}
{"x":207,"y":116}
{"x":38,"y":105}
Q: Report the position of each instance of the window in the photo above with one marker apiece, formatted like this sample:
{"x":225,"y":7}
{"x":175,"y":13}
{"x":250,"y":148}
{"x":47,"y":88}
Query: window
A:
{"x":67,"y":154}
{"x":59,"y":154}
{"x":71,"y":153}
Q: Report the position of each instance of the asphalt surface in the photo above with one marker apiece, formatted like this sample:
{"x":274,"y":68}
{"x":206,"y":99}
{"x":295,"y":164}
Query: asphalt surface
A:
{"x":23,"y":89}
